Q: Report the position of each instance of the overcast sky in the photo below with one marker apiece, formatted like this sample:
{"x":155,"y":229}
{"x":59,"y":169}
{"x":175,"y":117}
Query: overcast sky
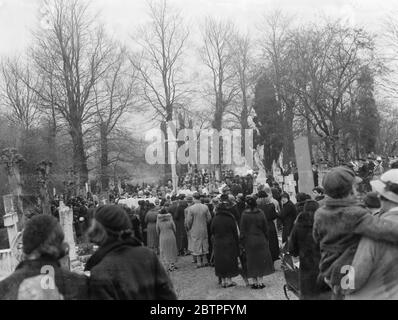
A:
{"x":18,"y":16}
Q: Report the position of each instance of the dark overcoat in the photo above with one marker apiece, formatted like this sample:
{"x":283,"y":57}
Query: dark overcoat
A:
{"x":254,"y":236}
{"x":224,"y":230}
{"x":302,"y":244}
{"x":287,"y":216}
{"x":270,"y":214}
{"x":125,"y":270}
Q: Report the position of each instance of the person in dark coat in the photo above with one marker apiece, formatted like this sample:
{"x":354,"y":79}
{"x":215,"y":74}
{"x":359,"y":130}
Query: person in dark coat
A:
{"x":224,"y":229}
{"x":268,"y":208}
{"x":135,"y":222}
{"x":122,"y":269}
{"x":240,"y":204}
{"x":150,"y":221}
{"x":287,"y":216}
{"x":179,"y":219}
{"x":254,"y":237}
{"x":142,"y":210}
{"x":301,"y":199}
{"x":302,"y":244}
{"x":44,"y":249}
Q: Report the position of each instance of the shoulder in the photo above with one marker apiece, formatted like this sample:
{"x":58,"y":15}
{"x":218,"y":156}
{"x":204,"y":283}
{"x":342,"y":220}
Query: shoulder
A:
{"x":391,"y":215}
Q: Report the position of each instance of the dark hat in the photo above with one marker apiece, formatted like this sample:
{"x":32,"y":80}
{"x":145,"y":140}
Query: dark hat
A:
{"x":113,"y":218}
{"x":251,"y":201}
{"x":372,"y":200}
{"x":224,"y":198}
{"x":339,"y":181}
{"x":37,"y":231}
{"x":301,"y":197}
{"x":311,"y":206}
{"x":262,"y":194}
{"x":196,"y":195}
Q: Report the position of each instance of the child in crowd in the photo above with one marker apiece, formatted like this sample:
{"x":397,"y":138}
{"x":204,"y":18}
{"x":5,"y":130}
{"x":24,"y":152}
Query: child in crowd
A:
{"x":339,"y":225}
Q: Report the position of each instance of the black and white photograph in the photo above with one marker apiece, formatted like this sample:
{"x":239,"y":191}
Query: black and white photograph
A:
{"x":217,"y":151}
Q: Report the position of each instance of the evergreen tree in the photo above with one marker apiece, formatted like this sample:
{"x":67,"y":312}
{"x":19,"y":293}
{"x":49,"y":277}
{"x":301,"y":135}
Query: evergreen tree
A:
{"x":369,"y":118}
{"x":268,"y":121}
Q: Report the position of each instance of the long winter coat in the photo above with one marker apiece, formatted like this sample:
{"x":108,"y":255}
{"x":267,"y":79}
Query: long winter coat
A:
{"x":302,"y":244}
{"x":254,"y":236}
{"x":224,"y":230}
{"x":181,"y":233}
{"x":125,"y":270}
{"x":166,"y":230}
{"x":288,"y":215}
{"x":198,"y":216}
{"x":270,"y":214}
{"x":152,"y":236}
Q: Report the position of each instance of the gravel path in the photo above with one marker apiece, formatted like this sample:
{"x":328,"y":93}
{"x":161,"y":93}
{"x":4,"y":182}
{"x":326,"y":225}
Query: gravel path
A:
{"x":202,"y":284}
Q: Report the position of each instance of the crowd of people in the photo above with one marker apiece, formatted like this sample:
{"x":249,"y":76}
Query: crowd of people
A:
{"x":236,"y":229}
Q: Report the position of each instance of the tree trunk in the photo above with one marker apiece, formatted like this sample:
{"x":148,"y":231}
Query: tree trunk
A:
{"x":51,"y":141}
{"x":288,"y":143}
{"x":244,"y":126}
{"x":217,"y":125}
{"x":104,"y":161}
{"x":79,"y":155}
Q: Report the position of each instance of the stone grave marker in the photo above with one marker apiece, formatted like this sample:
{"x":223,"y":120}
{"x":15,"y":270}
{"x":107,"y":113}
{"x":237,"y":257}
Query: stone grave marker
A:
{"x":66,"y":220}
{"x":303,"y":159}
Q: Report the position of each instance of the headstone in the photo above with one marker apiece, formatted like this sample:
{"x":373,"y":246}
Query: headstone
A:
{"x":66,"y":220}
{"x":9,"y":258}
{"x":303,"y":159}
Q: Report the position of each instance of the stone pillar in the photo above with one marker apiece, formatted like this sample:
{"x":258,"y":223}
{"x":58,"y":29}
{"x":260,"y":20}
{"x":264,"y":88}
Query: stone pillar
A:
{"x":66,"y":220}
{"x":303,"y":159}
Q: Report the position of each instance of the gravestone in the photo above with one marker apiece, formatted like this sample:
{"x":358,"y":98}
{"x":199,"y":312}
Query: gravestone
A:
{"x":9,"y":258}
{"x":66,"y":221}
{"x":303,"y":160}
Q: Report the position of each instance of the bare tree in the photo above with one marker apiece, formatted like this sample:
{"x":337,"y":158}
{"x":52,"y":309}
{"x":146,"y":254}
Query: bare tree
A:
{"x":71,"y":54}
{"x":162,"y":43}
{"x":219,"y":59}
{"x":329,"y":60}
{"x":275,"y":36}
{"x":244,"y":64}
{"x":114,"y":97}
{"x":18,"y":94}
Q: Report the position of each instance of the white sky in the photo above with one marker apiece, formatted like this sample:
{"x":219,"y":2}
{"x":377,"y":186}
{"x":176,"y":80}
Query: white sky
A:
{"x":18,"y":16}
